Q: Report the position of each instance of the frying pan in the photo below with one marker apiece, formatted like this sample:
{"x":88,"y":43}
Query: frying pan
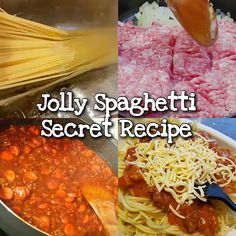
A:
{"x":127,"y":9}
{"x":106,"y":148}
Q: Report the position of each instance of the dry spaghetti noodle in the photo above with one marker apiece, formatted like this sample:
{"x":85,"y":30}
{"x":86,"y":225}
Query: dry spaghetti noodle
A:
{"x":31,"y":52}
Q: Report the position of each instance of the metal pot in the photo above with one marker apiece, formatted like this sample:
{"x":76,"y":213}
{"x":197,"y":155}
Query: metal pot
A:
{"x":11,"y":223}
{"x":68,"y":15}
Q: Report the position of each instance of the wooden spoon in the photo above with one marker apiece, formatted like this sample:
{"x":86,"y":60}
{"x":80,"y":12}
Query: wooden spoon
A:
{"x":102,"y":203}
{"x":99,"y":195}
{"x":198,"y":19}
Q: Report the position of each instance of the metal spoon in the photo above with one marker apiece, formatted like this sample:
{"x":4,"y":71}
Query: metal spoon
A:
{"x":198,"y":18}
{"x":214,"y":191}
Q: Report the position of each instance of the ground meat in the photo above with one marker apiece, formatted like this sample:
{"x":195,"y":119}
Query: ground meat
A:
{"x":140,"y":79}
{"x":159,"y":59}
{"x":225,"y":45}
{"x":142,"y":65}
{"x":189,"y":59}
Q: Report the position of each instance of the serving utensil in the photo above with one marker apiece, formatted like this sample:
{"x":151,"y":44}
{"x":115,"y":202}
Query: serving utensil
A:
{"x":214,"y":191}
{"x":198,"y":19}
{"x":101,"y":200}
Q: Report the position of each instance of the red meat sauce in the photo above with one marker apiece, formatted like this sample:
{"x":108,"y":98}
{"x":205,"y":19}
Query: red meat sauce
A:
{"x":199,"y":217}
{"x":39,"y":181}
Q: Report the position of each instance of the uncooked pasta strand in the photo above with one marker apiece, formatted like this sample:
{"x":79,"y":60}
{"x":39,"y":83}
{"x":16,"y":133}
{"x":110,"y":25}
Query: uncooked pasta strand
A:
{"x":31,"y":52}
{"x":28,"y":26}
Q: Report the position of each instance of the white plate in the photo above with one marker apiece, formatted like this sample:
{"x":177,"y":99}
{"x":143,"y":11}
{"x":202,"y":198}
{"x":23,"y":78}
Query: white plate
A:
{"x":224,"y":141}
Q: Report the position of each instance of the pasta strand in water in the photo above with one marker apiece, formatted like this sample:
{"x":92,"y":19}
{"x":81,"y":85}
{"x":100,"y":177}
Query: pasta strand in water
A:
{"x":32,"y":52}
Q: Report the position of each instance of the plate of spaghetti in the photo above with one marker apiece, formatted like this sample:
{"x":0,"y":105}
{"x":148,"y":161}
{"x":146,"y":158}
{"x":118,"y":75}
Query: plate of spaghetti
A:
{"x":161,"y":185}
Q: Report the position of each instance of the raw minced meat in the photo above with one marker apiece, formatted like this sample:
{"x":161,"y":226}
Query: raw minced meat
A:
{"x":225,"y":45}
{"x":189,"y":59}
{"x":160,"y":58}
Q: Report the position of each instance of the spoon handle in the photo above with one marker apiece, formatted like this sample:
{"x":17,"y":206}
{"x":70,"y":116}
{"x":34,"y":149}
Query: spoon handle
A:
{"x":198,"y":19}
{"x":216,"y":192}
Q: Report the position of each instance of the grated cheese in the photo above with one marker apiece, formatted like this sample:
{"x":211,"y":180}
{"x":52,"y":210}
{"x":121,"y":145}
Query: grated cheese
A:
{"x":183,"y":168}
{"x":175,"y":212}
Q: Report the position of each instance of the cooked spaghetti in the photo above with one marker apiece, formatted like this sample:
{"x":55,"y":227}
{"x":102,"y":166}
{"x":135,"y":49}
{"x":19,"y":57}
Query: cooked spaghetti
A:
{"x":162,"y":186}
{"x":31,"y":52}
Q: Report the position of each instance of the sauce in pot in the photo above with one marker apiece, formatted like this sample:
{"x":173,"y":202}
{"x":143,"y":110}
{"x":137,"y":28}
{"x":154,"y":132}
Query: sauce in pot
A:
{"x":39,"y":181}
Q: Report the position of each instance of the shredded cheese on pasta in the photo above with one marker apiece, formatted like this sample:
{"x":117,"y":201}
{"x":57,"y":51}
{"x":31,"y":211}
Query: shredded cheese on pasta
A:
{"x":175,"y":212}
{"x":182,"y":169}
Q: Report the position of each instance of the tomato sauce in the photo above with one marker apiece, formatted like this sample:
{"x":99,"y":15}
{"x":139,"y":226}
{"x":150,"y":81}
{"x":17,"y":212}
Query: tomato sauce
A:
{"x":199,"y":217}
{"x":39,"y":181}
{"x":130,"y":155}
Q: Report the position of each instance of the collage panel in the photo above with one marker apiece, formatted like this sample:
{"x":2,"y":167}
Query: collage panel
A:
{"x":71,"y":48}
{"x":174,"y":45}
{"x":55,"y":56}
{"x":117,"y":118}
{"x":184,"y":188}
{"x":56,"y":186}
